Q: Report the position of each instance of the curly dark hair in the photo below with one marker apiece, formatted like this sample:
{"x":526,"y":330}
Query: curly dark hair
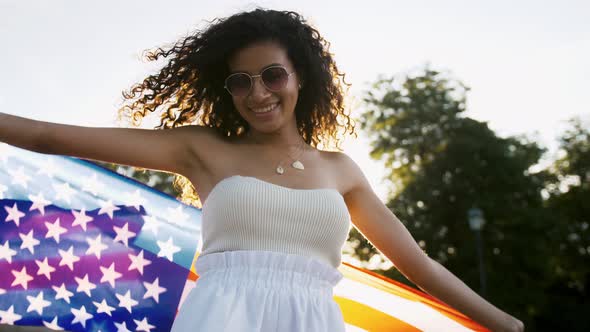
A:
{"x":190,"y":86}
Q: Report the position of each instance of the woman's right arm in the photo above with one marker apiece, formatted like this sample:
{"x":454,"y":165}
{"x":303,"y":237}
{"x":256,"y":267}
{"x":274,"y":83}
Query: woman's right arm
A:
{"x":170,"y":150}
{"x":20,"y":132}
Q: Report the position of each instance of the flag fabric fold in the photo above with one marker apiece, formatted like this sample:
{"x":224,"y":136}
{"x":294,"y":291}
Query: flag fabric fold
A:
{"x":83,"y":248}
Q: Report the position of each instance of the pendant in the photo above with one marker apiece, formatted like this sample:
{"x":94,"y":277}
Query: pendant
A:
{"x":280,"y":170}
{"x":297,"y":164}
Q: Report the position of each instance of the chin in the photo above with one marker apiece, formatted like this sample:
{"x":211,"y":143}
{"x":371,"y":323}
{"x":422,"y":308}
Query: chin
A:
{"x":266,"y":128}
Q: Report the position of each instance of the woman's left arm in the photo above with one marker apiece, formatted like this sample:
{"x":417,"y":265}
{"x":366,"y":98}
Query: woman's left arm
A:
{"x":386,"y":232}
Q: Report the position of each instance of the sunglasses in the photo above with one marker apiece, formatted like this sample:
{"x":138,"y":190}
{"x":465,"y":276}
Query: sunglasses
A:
{"x":274,"y":78}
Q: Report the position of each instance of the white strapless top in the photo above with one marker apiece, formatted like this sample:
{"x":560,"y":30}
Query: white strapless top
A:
{"x":246,"y":213}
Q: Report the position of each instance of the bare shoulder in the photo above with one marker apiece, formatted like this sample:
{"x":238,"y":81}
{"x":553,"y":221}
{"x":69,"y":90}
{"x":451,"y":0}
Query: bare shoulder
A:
{"x":350,"y":177}
{"x":202,"y":130}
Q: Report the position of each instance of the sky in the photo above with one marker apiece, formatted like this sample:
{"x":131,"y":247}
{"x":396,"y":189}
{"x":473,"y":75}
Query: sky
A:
{"x":526,"y":62}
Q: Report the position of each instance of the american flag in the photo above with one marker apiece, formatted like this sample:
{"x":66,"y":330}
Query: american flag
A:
{"x":83,"y":248}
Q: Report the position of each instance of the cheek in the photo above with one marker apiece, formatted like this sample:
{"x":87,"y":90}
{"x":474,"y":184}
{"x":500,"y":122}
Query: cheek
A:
{"x":238,"y":103}
{"x":239,"y":108}
{"x":292,"y":97}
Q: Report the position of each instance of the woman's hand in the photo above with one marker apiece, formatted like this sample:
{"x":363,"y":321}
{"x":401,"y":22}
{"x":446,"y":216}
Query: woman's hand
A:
{"x":511,"y":324}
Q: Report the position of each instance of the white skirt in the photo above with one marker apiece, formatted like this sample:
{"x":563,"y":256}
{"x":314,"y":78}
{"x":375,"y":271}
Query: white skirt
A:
{"x":251,"y":291}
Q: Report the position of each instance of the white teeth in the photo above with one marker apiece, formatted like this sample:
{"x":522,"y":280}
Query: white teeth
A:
{"x":265,"y":109}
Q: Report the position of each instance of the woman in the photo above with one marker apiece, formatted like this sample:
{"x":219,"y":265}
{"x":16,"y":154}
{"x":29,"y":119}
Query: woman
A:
{"x":265,"y":94}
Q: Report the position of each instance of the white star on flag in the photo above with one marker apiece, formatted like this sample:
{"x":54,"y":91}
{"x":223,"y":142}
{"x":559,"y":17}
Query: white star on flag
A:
{"x":8,"y":316}
{"x":19,"y":177}
{"x":138,"y":262}
{"x":135,"y":199}
{"x":49,"y":168}
{"x":123,"y":234}
{"x":54,"y":230}
{"x":81,"y":219}
{"x":108,"y":208}
{"x":150,"y":223}
{"x":39,"y":203}
{"x":125,"y":301}
{"x":21,"y":278}
{"x":95,"y":246}
{"x":62,"y":293}
{"x":103,"y":307}
{"x":92,"y":185}
{"x":64,"y":192}
{"x":29,"y":241}
{"x":13,"y":214}
{"x":7,"y":253}
{"x":121,"y":327}
{"x":177,"y":215}
{"x":143,"y":325}
{"x":167,"y":249}
{"x":153,"y":290}
{"x":84,"y":285}
{"x":44,"y":268}
{"x":68,"y":258}
{"x":37,"y":303}
{"x":81,"y":316}
{"x":109,"y":274}
{"x":53,"y":325}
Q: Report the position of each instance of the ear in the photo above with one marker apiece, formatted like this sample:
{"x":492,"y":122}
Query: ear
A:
{"x":300,"y":85}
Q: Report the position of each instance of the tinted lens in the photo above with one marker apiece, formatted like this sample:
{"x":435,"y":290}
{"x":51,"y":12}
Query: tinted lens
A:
{"x":275,"y":78}
{"x":238,"y":84}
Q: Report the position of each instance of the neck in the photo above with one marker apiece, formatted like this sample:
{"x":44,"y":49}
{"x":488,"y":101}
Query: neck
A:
{"x":275,"y":140}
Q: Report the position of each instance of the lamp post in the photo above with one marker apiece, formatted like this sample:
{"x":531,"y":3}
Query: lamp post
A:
{"x":476,"y":222}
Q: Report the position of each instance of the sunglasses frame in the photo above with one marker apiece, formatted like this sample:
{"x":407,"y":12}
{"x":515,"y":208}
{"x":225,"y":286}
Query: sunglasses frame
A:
{"x":252,"y":77}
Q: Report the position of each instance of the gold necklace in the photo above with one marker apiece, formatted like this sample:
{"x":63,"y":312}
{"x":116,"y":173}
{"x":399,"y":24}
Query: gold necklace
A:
{"x":297,"y":164}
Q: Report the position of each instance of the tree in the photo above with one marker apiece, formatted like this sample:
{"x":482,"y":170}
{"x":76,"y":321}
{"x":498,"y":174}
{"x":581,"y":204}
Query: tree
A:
{"x":568,"y":203}
{"x":440,"y":165}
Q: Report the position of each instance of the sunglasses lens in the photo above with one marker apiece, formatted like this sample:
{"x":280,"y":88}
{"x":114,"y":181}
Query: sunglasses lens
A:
{"x":275,"y":78}
{"x":238,"y":84}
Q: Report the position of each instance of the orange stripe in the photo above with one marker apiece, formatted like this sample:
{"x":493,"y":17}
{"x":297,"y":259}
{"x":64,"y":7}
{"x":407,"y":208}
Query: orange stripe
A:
{"x":370,"y":319}
{"x":391,"y":286}
{"x":397,"y":288}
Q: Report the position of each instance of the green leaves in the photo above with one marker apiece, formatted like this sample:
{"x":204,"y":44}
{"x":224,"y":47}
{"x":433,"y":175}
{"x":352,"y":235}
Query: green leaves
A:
{"x":443,"y":163}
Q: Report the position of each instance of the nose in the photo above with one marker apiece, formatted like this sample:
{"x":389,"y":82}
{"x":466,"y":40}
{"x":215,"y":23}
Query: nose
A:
{"x":259,"y":91}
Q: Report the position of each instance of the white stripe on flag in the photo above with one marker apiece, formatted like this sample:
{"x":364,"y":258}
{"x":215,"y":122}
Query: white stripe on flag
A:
{"x":188,"y":287}
{"x":414,"y":313}
{"x":352,"y":328}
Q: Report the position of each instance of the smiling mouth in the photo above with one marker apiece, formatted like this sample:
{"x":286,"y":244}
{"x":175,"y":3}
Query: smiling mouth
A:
{"x":265,"y":109}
